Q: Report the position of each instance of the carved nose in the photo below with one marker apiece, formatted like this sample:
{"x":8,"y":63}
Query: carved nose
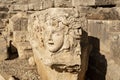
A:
{"x":50,"y":36}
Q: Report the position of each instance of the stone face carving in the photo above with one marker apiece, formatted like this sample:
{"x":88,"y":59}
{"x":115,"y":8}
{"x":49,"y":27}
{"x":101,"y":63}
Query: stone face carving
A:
{"x":55,"y":36}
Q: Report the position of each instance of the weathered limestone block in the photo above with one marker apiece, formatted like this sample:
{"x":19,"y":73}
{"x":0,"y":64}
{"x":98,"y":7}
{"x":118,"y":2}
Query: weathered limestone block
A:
{"x":113,"y":70}
{"x":102,"y":31}
{"x":22,"y":44}
{"x":114,"y":26}
{"x":1,"y":24}
{"x":3,"y":14}
{"x":19,"y":7}
{"x":3,"y":49}
{"x":63,"y":3}
{"x":115,"y":45}
{"x":106,"y":35}
{"x":18,"y":22}
{"x":17,"y":30}
{"x":40,"y":4}
{"x":20,"y":36}
{"x":103,"y":13}
{"x":99,"y":30}
{"x":100,"y":13}
{"x":31,"y":5}
{"x":92,"y":2}
{"x":24,"y":50}
{"x":117,"y":2}
{"x":55,"y":36}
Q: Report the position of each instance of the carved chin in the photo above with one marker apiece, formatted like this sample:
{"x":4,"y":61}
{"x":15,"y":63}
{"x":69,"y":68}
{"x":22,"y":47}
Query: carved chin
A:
{"x":54,"y":48}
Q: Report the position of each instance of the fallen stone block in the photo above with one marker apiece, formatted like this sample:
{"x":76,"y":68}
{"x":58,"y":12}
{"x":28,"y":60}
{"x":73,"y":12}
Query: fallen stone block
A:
{"x":18,"y":22}
{"x":24,"y":50}
{"x":20,"y":36}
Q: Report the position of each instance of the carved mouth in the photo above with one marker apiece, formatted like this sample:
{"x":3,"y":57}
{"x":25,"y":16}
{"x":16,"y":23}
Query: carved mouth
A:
{"x":51,"y":43}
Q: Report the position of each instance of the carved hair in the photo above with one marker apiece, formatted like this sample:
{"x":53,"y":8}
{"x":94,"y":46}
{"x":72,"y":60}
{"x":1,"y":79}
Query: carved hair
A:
{"x":68,"y":22}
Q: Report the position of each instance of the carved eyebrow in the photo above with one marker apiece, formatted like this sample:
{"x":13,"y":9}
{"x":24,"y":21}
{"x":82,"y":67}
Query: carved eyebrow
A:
{"x":57,"y":30}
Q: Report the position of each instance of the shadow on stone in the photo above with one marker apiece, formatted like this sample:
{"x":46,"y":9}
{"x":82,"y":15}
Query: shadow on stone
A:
{"x":15,"y":78}
{"x":85,"y":51}
{"x":97,"y":65}
{"x":12,"y":52}
{"x":64,"y":68}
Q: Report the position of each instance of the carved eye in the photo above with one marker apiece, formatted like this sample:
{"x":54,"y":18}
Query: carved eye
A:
{"x":58,"y":34}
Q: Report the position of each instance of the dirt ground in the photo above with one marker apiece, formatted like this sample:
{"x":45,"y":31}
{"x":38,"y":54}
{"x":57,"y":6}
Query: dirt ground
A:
{"x":19,"y":69}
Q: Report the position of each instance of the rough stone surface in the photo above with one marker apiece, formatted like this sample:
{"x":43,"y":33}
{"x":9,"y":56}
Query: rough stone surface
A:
{"x":18,"y":22}
{"x":19,"y":69}
{"x":24,"y":50}
{"x":104,"y":31}
{"x":100,"y":32}
{"x":17,"y":31}
{"x":31,"y":5}
{"x":105,"y":36}
{"x":93,"y":2}
{"x":101,"y":13}
{"x":63,"y":3}
{"x":20,"y":36}
{"x":23,"y":46}
{"x":31,"y":61}
{"x":3,"y":49}
{"x":115,"y":48}
{"x":1,"y":78}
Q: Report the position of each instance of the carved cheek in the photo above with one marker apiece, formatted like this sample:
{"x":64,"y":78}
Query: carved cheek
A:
{"x":58,"y":39}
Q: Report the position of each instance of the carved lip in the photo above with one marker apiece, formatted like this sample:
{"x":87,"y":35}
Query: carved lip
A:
{"x":51,"y":42}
